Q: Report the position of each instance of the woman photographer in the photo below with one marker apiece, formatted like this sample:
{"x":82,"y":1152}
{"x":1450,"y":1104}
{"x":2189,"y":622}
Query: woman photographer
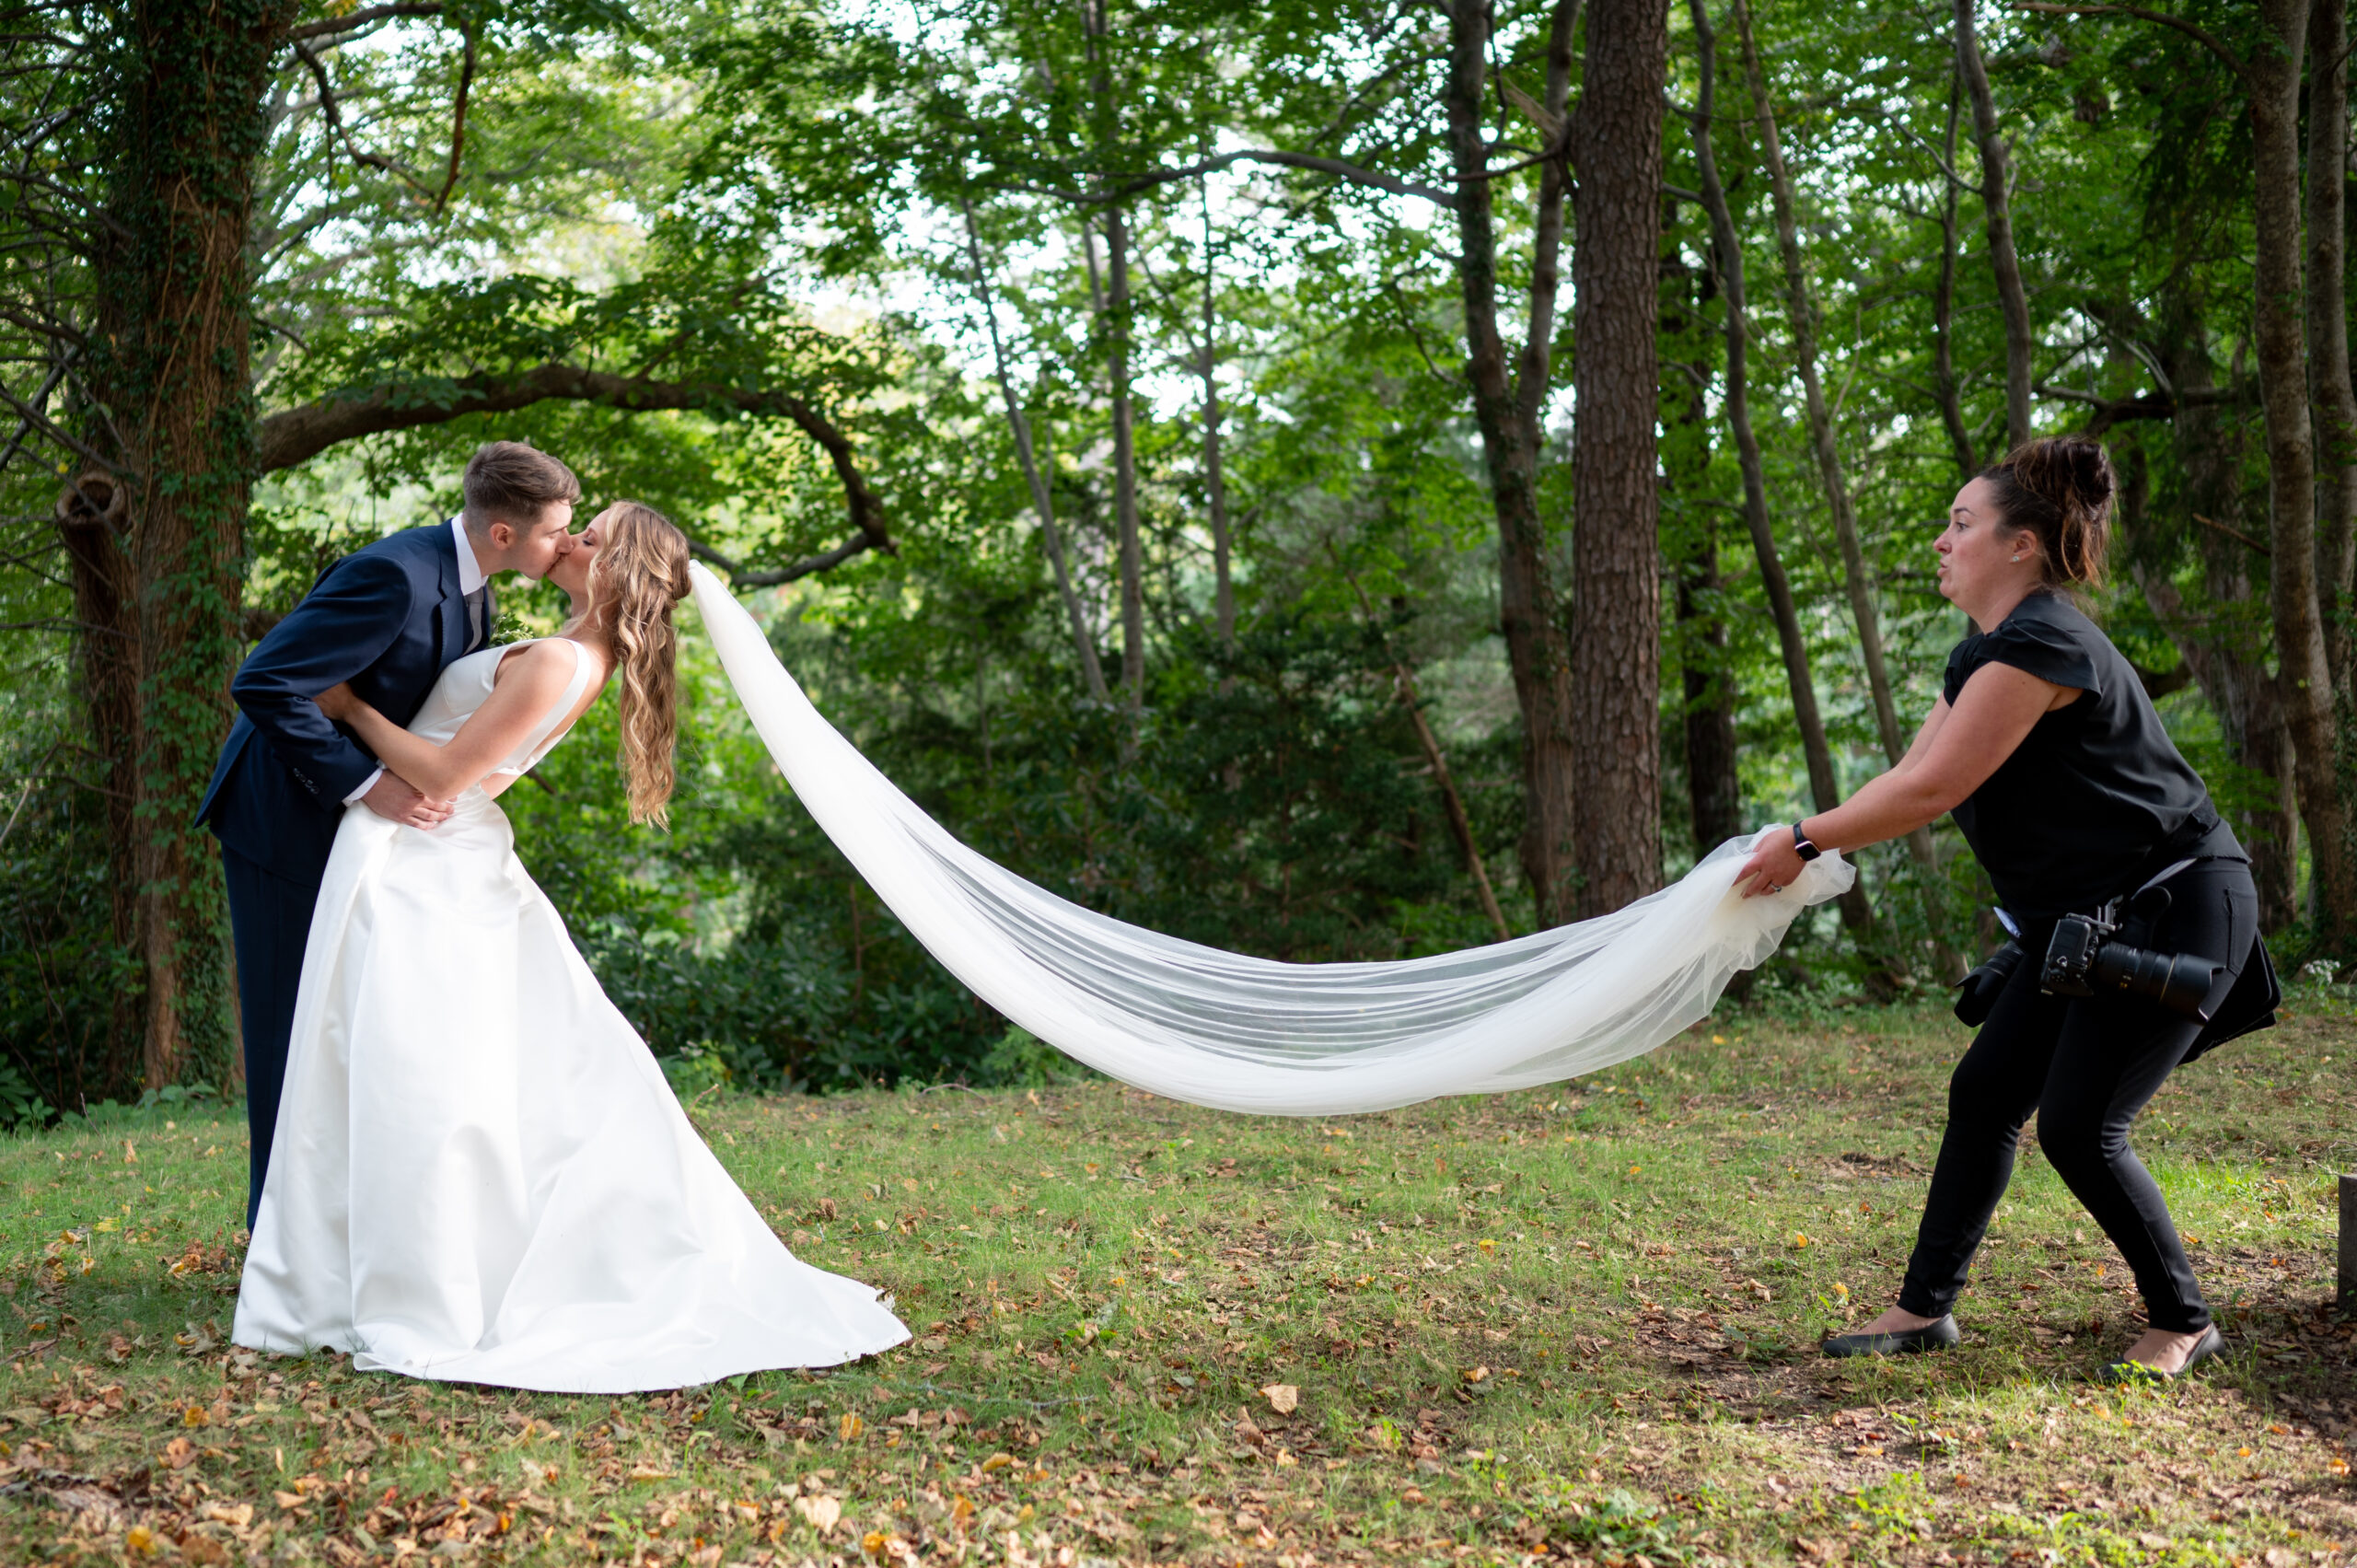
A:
{"x":2047,"y":750}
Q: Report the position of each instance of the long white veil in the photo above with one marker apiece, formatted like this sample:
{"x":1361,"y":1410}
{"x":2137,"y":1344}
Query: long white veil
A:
{"x":1246,"y":1034}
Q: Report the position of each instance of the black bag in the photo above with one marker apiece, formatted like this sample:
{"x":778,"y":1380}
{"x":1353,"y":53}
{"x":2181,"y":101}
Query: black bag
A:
{"x":2250,"y":1006}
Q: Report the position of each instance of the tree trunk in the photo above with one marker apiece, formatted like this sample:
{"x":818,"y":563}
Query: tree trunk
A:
{"x":1215,"y":481}
{"x":1713,"y":788}
{"x":1114,"y":305}
{"x":2227,"y":649}
{"x":1526,"y":607}
{"x":1996,"y":203}
{"x":1615,"y":555}
{"x":93,"y":518}
{"x":1043,"y":500}
{"x":2332,"y":401}
{"x":1944,"y":377}
{"x":2215,"y":642}
{"x":1801,"y":307}
{"x":170,"y":361}
{"x":1125,"y":462}
{"x":1825,"y":790}
{"x":2305,"y":675}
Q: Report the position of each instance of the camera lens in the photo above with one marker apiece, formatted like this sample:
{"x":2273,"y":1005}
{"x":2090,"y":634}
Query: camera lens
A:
{"x":2178,"y":982}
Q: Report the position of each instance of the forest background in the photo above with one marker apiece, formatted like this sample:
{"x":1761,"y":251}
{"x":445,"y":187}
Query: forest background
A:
{"x":1333,"y":480}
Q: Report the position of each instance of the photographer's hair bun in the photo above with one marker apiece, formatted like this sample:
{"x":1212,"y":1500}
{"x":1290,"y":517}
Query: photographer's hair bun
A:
{"x":2059,"y":488}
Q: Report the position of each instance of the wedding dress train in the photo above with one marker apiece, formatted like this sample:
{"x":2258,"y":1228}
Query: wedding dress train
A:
{"x":480,"y":1174}
{"x":1240,"y":1033}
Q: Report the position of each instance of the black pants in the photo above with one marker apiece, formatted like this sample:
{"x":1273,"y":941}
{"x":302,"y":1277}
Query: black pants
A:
{"x":2087,"y":1065}
{"x":270,"y":918}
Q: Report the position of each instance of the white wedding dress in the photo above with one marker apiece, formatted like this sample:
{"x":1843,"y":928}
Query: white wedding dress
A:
{"x":480,"y":1175}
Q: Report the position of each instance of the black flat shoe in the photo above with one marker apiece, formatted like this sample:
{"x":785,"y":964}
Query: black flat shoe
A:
{"x":1907,"y":1342}
{"x":2212,"y":1344}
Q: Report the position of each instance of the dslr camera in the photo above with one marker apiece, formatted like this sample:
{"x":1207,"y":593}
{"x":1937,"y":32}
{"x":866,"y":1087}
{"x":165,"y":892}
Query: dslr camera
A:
{"x":2085,"y":958}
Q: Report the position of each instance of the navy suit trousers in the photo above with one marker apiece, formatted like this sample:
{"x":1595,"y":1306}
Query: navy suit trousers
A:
{"x":270,"y":918}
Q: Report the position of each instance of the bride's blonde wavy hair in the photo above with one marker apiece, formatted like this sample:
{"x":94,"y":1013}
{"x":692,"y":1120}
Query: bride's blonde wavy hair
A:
{"x":642,"y":572}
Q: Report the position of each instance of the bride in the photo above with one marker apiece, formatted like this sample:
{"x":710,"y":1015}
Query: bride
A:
{"x":480,"y":1174}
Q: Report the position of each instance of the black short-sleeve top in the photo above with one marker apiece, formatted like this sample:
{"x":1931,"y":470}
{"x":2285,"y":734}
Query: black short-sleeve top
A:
{"x":2095,"y":799}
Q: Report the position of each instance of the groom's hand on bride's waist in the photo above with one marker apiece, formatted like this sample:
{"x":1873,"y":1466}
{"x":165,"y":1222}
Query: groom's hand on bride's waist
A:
{"x":392,"y":798}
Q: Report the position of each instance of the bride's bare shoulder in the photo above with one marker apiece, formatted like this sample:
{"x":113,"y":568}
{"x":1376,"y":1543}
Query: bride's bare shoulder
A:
{"x":540,"y":667}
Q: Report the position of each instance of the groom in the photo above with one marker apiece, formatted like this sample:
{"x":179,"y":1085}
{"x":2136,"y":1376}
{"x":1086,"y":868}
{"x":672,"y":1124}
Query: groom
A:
{"x":388,"y":618}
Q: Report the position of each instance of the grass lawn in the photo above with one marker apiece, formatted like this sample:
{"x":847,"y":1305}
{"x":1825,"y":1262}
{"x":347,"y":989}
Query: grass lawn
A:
{"x":1574,"y":1323}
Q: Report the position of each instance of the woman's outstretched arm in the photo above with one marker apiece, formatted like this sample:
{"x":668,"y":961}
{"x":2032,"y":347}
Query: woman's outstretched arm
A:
{"x":528,"y":684}
{"x":1953,"y":755}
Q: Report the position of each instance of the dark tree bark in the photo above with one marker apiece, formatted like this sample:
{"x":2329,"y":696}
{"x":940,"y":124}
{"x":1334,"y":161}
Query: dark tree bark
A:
{"x":1726,"y":250}
{"x":93,"y":519}
{"x":2304,"y":669}
{"x":2332,"y":401}
{"x":2222,"y":644}
{"x":1536,"y":653}
{"x":171,"y":367}
{"x":1713,"y":788}
{"x":1616,"y":570}
{"x":1997,"y":204}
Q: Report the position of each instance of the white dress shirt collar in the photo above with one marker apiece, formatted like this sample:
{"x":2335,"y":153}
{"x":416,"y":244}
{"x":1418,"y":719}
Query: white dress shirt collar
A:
{"x":470,"y":576}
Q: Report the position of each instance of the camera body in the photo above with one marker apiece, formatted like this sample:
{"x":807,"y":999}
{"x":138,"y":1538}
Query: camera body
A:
{"x":2083,"y":958}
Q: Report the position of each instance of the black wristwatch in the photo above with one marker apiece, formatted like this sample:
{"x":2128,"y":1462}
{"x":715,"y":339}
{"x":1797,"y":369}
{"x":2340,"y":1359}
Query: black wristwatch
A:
{"x":1801,"y":846}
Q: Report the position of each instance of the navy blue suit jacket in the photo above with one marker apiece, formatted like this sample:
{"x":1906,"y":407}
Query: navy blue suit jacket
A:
{"x":388,"y":618}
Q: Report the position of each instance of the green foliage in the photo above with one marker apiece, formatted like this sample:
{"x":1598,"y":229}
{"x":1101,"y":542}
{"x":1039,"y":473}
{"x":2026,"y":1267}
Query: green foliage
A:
{"x":64,"y":984}
{"x":1021,"y":1060}
{"x":809,"y":201}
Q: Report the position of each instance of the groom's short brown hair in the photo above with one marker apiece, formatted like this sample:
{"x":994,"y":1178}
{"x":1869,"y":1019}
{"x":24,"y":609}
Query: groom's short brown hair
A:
{"x":508,"y":480}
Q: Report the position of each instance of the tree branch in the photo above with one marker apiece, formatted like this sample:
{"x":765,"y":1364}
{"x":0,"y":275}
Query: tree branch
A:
{"x":2110,"y":411}
{"x":771,"y":577}
{"x":35,"y":420}
{"x":295,"y":434}
{"x":368,"y":16}
{"x":58,"y":331}
{"x":2232,"y":533}
{"x":41,"y":400}
{"x":1340,"y":168}
{"x":334,"y":115}
{"x":458,"y":120}
{"x":2207,"y":39}
{"x":2158,"y":684}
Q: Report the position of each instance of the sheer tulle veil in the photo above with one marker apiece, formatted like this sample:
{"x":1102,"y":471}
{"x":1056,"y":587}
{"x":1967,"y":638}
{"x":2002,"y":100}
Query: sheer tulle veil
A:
{"x":1246,"y":1034}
